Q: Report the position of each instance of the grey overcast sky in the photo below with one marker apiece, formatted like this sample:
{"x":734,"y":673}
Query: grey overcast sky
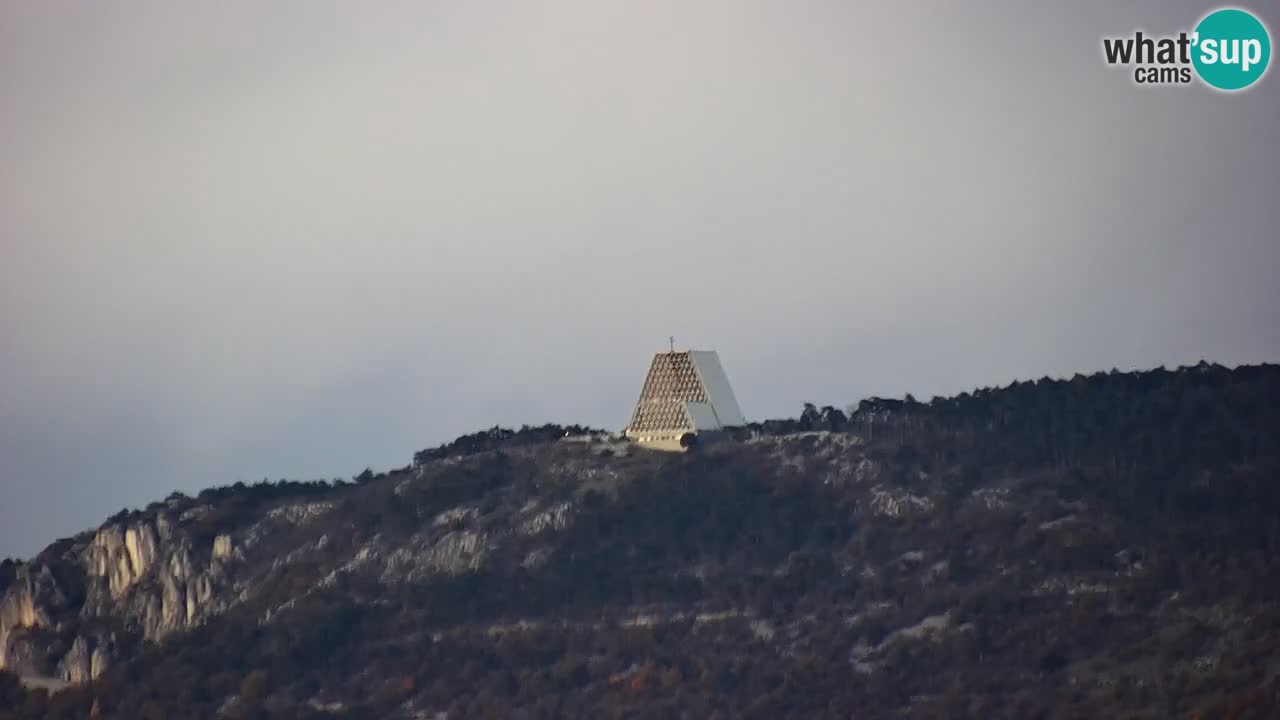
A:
{"x":246,"y":239}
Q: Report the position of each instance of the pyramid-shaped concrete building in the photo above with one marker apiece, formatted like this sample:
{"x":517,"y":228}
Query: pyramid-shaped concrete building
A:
{"x":686,"y":395}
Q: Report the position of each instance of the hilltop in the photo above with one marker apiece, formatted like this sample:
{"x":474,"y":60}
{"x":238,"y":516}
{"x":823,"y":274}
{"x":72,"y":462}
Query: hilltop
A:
{"x":1103,"y":546}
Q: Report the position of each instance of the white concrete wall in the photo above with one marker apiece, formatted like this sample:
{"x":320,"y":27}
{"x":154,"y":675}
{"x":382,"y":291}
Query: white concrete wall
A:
{"x":702,"y":417}
{"x":719,"y":392}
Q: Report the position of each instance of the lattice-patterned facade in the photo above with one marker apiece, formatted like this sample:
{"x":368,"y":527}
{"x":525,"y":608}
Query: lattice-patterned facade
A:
{"x":672,"y":382}
{"x":684,"y":392}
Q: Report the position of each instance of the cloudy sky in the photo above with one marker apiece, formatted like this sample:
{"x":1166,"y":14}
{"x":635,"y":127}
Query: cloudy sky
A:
{"x":294,"y":239}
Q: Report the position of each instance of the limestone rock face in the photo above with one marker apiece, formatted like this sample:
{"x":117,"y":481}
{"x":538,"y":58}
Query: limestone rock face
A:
{"x":122,"y":555}
{"x":76,"y":666}
{"x":145,"y":578}
{"x":89,"y":657}
{"x":31,"y":602}
{"x":222,"y":547}
{"x":153,"y":583}
{"x":141,"y":577}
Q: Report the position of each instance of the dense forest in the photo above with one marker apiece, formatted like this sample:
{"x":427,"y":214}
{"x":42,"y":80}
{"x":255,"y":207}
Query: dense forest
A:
{"x":1103,"y":546}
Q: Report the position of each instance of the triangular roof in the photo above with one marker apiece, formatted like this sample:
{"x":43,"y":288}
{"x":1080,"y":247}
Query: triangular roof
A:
{"x":685,"y":391}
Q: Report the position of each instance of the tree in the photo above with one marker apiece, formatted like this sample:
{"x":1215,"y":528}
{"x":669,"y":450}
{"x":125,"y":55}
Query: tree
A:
{"x":833,"y":419}
{"x":810,"y":417}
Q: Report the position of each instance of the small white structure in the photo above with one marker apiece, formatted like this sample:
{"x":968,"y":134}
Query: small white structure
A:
{"x":686,"y":394}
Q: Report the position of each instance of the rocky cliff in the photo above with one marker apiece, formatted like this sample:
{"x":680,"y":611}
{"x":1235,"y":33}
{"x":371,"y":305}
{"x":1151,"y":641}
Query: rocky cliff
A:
{"x":65,"y":613}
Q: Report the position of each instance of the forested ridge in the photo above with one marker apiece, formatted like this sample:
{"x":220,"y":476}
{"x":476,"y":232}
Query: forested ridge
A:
{"x":1100,"y":546}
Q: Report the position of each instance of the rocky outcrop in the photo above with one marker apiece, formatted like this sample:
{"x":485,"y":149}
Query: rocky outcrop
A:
{"x":122,"y":555}
{"x":425,"y":556}
{"x":898,"y":503}
{"x":32,"y":603}
{"x":70,"y":612}
{"x":145,"y":574}
{"x":61,"y":614}
{"x":87,"y":659}
{"x":534,"y":520}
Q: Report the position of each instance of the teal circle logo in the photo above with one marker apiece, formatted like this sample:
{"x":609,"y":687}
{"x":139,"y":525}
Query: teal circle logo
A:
{"x":1232,"y":49}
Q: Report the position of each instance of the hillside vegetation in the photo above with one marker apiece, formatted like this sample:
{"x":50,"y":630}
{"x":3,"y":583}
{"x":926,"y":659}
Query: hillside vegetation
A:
{"x":1105,"y":546}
